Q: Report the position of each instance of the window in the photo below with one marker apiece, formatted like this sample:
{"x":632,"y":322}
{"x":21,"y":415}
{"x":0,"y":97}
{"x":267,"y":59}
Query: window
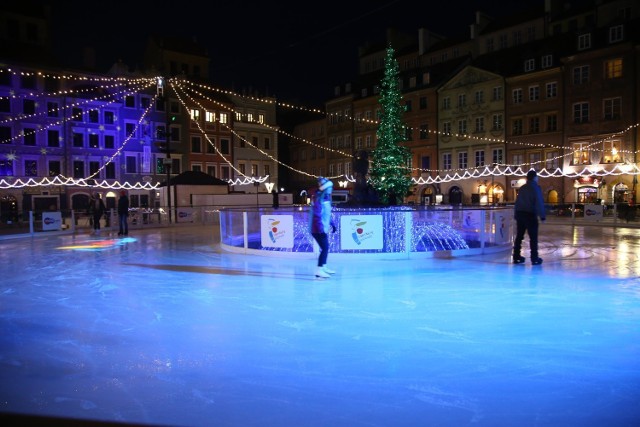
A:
{"x":552,"y":161}
{"x":130,"y":101}
{"x":52,"y":109}
{"x":93,"y":116}
{"x":267,"y":143}
{"x":109,"y":117}
{"x":517,"y":96}
{"x":130,"y":130}
{"x":29,"y":136}
{"x":196,"y":167}
{"x":446,"y":103}
{"x":28,"y":106}
{"x":497,"y":93}
{"x":211,"y":170}
{"x":196,"y":144}
{"x":94,"y":140}
{"x":479,"y":124}
{"x":611,"y":151}
{"x":109,"y":141}
{"x":6,"y":167}
{"x":612,"y":108}
{"x":76,"y":114}
{"x":446,"y":128}
{"x":551,"y":90}
{"x":224,"y":118}
{"x":446,"y":161}
{"x":462,"y":127}
{"x":462,"y":160}
{"x":581,"y":112}
{"x":78,"y":139}
{"x":534,"y":125}
{"x":497,"y":122}
{"x":479,"y":98}
{"x":516,"y":128}
{"x":581,"y":154}
{"x":407,"y":106}
{"x":462,"y":100}
{"x":211,"y":145}
{"x":552,"y":123}
{"x":54,"y":168}
{"x":225,"y":146}
{"x":30,"y":168}
{"x":423,"y":102}
{"x":195,"y":115}
{"x":535,"y":160}
{"x":28,"y":81}
{"x":517,"y":159}
{"x":267,"y":170}
{"x":584,"y":41}
{"x":479,"y":158}
{"x":94,"y":167}
{"x":490,"y":46}
{"x":529,"y":65}
{"x":254,"y":170}
{"x":424,"y":131}
{"x":534,"y":93}
{"x":581,"y":75}
{"x":5,"y":135}
{"x":53,"y":138}
{"x":613,"y":68}
{"x":78,"y":169}
{"x":110,"y":170}
{"x":209,"y":117}
{"x":145,"y":102}
{"x":503,"y":40}
{"x":547,"y":61}
{"x":131,"y":164}
{"x":616,"y":34}
{"x":497,"y":157}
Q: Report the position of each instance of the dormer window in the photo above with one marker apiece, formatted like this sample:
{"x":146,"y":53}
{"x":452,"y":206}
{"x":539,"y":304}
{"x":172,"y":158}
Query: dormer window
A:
{"x":529,"y":65}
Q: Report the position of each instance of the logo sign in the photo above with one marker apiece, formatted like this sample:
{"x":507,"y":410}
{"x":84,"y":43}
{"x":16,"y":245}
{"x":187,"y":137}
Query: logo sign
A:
{"x":184,"y":215}
{"x":361,"y":232}
{"x":276,"y":231}
{"x":51,"y":221}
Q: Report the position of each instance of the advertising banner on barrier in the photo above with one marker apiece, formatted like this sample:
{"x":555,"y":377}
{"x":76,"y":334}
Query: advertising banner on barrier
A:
{"x":51,"y":221}
{"x":276,"y":231}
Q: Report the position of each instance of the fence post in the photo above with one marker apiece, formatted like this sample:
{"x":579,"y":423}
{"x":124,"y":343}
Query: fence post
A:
{"x":31,"y":228}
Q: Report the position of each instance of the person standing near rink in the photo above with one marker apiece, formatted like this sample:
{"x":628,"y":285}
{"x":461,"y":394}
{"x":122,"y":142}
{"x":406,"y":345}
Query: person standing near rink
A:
{"x":123,"y":214}
{"x":97,"y":209}
{"x":321,"y":224}
{"x":528,"y":207}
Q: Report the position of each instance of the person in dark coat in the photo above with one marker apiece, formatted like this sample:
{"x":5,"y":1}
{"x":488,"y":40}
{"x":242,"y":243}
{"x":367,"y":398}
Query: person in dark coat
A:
{"x":528,"y":207}
{"x":97,"y":210}
{"x":321,"y":224}
{"x":123,"y":214}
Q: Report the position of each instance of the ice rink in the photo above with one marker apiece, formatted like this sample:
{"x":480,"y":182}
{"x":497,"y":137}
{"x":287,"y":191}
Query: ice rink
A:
{"x":165,"y":329}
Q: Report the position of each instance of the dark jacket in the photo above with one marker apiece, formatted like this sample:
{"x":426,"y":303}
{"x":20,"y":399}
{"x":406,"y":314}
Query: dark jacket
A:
{"x":530,"y":200}
{"x":96,"y":207}
{"x":123,"y":205}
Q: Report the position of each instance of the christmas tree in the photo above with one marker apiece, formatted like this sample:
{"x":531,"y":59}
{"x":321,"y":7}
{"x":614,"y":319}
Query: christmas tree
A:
{"x":390,"y":175}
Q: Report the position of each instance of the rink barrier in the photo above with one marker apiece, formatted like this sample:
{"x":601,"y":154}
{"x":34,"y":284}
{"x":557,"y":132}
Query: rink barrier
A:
{"x":391,"y":232}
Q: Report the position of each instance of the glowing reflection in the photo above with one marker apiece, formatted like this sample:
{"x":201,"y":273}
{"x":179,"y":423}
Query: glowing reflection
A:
{"x":98,"y":245}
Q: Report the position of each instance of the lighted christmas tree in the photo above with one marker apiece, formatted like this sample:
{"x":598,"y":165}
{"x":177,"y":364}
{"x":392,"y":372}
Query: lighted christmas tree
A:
{"x":389,"y":174}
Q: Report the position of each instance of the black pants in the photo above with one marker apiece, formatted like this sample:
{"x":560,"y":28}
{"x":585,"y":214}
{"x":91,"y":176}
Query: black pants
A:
{"x":123,"y":225}
{"x":526,"y":222}
{"x":323,"y":242}
{"x":96,"y":221}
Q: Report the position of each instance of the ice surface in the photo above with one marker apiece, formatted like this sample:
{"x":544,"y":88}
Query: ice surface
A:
{"x":166,"y":329}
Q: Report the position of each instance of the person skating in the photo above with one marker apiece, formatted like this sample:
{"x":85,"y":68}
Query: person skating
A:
{"x":97,"y":209}
{"x":321,"y":224}
{"x":529,"y":207}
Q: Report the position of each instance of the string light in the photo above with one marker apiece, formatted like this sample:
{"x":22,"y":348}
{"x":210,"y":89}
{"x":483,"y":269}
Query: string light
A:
{"x":144,"y":83}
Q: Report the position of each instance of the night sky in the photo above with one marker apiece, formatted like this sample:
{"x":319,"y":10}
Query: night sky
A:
{"x":297,"y":51}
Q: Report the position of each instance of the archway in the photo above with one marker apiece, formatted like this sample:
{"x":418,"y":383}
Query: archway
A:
{"x":552,"y":196}
{"x":455,"y":196}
